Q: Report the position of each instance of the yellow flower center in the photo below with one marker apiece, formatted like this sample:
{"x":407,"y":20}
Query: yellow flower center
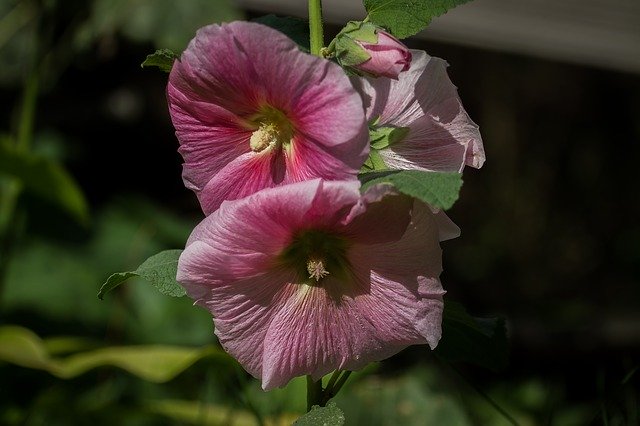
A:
{"x":316,"y":270}
{"x":274,"y":130}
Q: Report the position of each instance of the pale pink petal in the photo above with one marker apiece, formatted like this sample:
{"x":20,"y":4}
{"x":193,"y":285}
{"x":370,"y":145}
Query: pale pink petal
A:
{"x":279,"y":324}
{"x":381,"y":215}
{"x":394,"y":300}
{"x":441,"y":135}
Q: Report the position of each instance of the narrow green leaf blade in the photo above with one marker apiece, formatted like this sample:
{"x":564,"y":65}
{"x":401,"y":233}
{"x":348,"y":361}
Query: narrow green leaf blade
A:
{"x":160,"y":270}
{"x":161,"y":58}
{"x":322,"y":416}
{"x":156,"y":363}
{"x":436,"y":189}
{"x":404,"y":18}
{"x":294,"y":28}
{"x":44,"y":177}
{"x":480,"y":341}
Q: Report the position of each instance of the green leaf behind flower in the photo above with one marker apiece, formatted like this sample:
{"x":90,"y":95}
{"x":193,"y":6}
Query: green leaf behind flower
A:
{"x":436,"y":189}
{"x":154,"y":363}
{"x":404,"y":18}
{"x":161,"y":58}
{"x":321,"y":416}
{"x":44,"y":177}
{"x":160,"y":270}
{"x":480,"y":341}
{"x":294,"y":28}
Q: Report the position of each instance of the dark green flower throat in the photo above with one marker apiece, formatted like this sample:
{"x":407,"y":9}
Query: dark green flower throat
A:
{"x":315,"y":254}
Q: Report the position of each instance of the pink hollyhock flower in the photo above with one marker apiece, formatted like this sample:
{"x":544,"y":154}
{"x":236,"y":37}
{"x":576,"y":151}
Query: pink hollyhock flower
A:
{"x":389,"y":57}
{"x":435,"y":132}
{"x":312,"y":277}
{"x":252,"y":111}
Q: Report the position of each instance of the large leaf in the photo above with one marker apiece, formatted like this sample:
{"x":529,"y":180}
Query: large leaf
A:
{"x":160,"y":270}
{"x":481,"y":341}
{"x":294,"y":28}
{"x":44,"y":177}
{"x":404,"y":18}
{"x":436,"y":189}
{"x":321,"y":416}
{"x":159,"y":363}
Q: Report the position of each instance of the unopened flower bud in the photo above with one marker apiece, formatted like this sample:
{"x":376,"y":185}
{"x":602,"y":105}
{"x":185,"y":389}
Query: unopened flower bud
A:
{"x":367,"y":49}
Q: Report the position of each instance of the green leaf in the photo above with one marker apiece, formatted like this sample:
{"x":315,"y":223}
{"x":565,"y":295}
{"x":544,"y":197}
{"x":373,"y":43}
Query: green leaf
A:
{"x":43,"y":177}
{"x":160,"y":270}
{"x":436,"y":189}
{"x":154,"y":363}
{"x":382,"y":137}
{"x":349,"y":53}
{"x":404,"y":18}
{"x":322,"y":416}
{"x":294,"y":28}
{"x":161,"y":58}
{"x":481,"y":341}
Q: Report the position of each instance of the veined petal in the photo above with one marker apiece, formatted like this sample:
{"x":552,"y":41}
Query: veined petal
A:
{"x":441,"y":135}
{"x":234,"y":78}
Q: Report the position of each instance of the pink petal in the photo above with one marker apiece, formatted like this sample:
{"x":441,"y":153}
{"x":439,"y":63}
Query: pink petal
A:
{"x":442,"y":137}
{"x":225,"y":77}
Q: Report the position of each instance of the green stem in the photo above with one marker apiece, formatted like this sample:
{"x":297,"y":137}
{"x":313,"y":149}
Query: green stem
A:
{"x":341,"y":381}
{"x":10,"y":191}
{"x":316,"y":35}
{"x":314,"y":393}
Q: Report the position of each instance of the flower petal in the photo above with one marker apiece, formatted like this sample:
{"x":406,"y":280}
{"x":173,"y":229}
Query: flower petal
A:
{"x":441,"y":136}
{"x":226,"y":78}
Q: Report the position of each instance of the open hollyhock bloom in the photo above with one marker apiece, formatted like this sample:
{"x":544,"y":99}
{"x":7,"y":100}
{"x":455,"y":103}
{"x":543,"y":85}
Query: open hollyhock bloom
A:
{"x":252,"y":111}
{"x":431,"y":129}
{"x":312,"y":277}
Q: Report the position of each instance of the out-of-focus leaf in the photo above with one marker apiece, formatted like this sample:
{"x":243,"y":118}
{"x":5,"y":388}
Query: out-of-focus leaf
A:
{"x":436,"y":189}
{"x":44,"y":177}
{"x":322,"y":416}
{"x":166,"y":23}
{"x":161,"y":58}
{"x":418,"y":397}
{"x":195,"y":412}
{"x":160,"y":270}
{"x":404,"y":18}
{"x":158,"y":363}
{"x":481,"y":341}
{"x":294,"y":28}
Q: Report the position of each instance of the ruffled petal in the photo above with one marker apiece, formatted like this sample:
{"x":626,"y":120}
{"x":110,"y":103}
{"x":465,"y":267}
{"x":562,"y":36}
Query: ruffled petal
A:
{"x":226,"y":78}
{"x":441,"y":135}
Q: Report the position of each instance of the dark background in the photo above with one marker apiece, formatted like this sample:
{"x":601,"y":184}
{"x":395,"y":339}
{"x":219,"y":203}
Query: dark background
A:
{"x":550,"y":233}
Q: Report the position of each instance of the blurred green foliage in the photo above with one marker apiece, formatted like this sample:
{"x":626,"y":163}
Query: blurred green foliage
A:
{"x":55,"y":266}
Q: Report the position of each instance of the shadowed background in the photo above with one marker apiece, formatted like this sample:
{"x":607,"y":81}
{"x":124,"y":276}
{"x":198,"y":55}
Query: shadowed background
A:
{"x":550,"y":237}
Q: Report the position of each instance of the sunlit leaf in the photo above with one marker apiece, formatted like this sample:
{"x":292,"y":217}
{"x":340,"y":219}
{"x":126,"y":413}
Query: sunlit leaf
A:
{"x":436,"y":189}
{"x":481,"y":341}
{"x":404,"y":18}
{"x":322,"y":416}
{"x":43,"y":177}
{"x":154,"y":363}
{"x":161,"y":58}
{"x":160,"y":270}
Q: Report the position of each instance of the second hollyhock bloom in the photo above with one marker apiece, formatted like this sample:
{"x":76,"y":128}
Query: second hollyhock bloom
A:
{"x":311,"y":277}
{"x":252,"y":111}
{"x":435,"y":132}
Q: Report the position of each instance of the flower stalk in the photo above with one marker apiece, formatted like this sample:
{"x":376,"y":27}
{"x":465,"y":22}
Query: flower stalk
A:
{"x":316,"y":34}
